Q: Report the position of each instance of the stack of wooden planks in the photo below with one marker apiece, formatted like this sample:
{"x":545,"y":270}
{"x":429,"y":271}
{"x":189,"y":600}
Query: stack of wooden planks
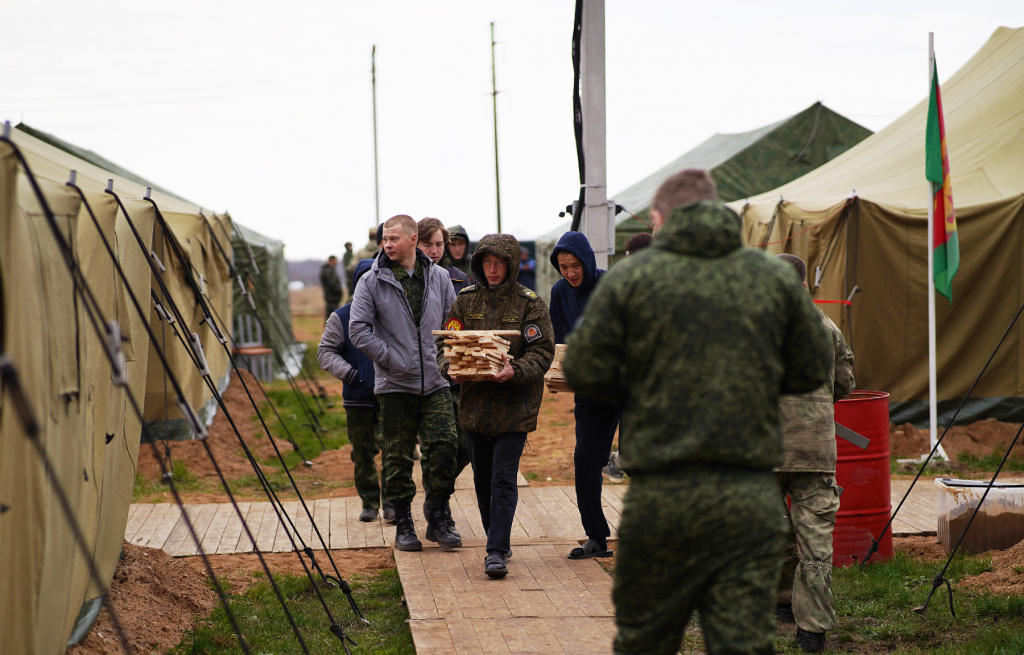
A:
{"x":554,"y":378}
{"x":475,"y":354}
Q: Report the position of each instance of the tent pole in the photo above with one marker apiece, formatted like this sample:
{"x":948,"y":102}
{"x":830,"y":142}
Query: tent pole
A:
{"x":494,"y":96}
{"x":595,"y":223}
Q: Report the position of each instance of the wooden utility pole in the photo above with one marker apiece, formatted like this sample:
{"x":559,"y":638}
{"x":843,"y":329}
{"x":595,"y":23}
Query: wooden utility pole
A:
{"x":596,"y":213}
{"x":494,"y":96}
{"x":376,"y":184}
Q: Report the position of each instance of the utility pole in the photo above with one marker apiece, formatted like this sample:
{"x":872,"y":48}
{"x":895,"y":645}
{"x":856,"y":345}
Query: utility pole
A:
{"x":376,"y":184}
{"x":596,"y":212}
{"x":494,"y":95}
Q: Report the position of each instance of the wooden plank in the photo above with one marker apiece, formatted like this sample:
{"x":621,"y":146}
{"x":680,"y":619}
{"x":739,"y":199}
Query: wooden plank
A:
{"x":303,"y":523}
{"x":218,"y":525}
{"x":581,"y":635}
{"x":488,"y":634}
{"x":432,"y":636}
{"x":549,"y":527}
{"x":200,"y":523}
{"x":529,"y":635}
{"x":338,"y":530}
{"x":464,"y":636}
{"x":415,"y":585}
{"x":264,"y":536}
{"x":356,"y":535}
{"x":180,"y":530}
{"x":321,"y":523}
{"x":466,"y":499}
{"x":550,"y":583}
{"x":158,"y":513}
{"x":136,"y":519}
{"x":445,"y":600}
{"x":163,"y":527}
{"x":286,"y":516}
{"x":232,"y":539}
{"x":526,"y":519}
{"x":551,"y":499}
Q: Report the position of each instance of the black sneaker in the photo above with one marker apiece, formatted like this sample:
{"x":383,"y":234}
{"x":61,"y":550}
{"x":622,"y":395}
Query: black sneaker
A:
{"x":784,"y":612}
{"x":811,"y":642}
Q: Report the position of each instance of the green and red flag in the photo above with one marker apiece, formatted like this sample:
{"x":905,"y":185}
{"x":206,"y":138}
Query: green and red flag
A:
{"x":944,"y":237}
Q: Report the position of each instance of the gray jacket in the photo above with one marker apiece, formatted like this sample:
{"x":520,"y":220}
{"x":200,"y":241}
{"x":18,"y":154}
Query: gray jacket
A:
{"x":381,"y":325}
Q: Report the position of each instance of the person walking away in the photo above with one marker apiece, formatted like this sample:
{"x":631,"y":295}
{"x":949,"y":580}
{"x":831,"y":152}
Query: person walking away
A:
{"x":596,"y":422}
{"x":497,"y":415}
{"x":349,"y":261}
{"x":433,"y":240}
{"x":700,"y":335}
{"x":613,"y":469}
{"x":331,"y":285}
{"x":458,"y":248}
{"x":808,"y":477}
{"x":397,"y":305}
{"x":340,"y":358}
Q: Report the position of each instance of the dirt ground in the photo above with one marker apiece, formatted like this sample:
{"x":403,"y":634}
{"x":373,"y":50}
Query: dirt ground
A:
{"x":156,"y":596}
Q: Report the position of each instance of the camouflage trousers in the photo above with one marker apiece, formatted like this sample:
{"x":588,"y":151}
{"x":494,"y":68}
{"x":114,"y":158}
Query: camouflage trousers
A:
{"x":402,"y":417}
{"x":364,"y":435}
{"x":807,"y":568}
{"x":702,"y":539}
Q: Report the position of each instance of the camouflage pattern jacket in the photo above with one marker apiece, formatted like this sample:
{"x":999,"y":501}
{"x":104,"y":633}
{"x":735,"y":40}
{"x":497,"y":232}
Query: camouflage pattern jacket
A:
{"x":807,"y":420}
{"x":493,"y":408}
{"x":698,"y":336}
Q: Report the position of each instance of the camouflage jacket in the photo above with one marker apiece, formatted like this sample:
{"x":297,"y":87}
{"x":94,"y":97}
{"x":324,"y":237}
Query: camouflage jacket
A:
{"x":698,"y":336}
{"x":493,"y":408}
{"x":807,"y":419}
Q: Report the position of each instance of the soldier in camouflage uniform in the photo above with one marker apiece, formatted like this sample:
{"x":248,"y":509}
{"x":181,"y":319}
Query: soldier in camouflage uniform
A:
{"x":498,"y":415}
{"x":808,"y":476}
{"x":396,"y":307}
{"x":699,"y":335}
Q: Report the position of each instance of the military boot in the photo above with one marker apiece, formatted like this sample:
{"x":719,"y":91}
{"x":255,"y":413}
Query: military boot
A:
{"x":437,"y":524}
{"x":811,"y":642}
{"x":405,"y":530}
{"x":447,"y":517}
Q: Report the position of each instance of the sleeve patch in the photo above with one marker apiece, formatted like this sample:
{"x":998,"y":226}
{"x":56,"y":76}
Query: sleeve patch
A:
{"x":528,"y":293}
{"x":531,"y":333}
{"x":471,"y":288}
{"x":453,"y":324}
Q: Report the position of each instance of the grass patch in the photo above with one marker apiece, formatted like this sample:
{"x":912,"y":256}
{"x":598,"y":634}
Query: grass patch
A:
{"x":531,"y":475}
{"x":184,"y":481}
{"x":267,"y":630}
{"x":299,"y":424}
{"x":991,"y":462}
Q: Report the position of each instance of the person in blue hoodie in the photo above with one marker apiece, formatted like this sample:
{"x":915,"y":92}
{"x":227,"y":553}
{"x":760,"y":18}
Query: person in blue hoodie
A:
{"x":596,"y":423}
{"x":340,"y":358}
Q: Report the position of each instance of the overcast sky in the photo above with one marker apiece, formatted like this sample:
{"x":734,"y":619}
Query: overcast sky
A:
{"x":265,"y":109}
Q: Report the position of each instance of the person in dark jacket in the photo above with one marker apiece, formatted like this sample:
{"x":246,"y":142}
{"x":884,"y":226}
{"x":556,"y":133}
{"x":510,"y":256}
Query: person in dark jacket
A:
{"x":331,"y":285}
{"x":527,"y":270}
{"x":340,"y":358}
{"x":596,"y":422}
{"x":699,"y":335}
{"x":458,"y":249}
{"x":497,"y":415}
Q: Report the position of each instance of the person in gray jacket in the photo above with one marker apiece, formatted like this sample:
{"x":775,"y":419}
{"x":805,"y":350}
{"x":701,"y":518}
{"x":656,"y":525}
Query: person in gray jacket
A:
{"x":397,"y":305}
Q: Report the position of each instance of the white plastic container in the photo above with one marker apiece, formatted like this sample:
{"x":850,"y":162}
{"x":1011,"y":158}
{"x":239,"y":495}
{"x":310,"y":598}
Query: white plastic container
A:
{"x":999,"y":524}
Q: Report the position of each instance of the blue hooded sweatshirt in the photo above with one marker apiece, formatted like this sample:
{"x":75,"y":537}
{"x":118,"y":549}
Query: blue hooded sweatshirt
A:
{"x":567,"y":302}
{"x":360,"y":391}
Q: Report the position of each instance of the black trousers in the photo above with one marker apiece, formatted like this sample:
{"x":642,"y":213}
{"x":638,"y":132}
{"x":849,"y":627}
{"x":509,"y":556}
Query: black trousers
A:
{"x":495,"y":464}
{"x":595,"y":431}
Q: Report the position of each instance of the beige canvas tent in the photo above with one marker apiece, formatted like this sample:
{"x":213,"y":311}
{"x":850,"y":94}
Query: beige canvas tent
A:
{"x":860,"y":222}
{"x":87,"y":427}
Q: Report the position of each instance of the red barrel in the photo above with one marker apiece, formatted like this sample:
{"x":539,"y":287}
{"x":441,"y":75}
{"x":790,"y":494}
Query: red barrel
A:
{"x":866,"y":504}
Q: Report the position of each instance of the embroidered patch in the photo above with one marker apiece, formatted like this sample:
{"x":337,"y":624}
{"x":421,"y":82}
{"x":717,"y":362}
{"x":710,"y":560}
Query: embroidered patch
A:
{"x":474,"y":317}
{"x":453,"y":324}
{"x":531,"y":333}
{"x":508,"y":319}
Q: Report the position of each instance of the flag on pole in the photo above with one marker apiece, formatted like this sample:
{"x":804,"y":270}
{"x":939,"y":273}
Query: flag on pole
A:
{"x":944,"y":238}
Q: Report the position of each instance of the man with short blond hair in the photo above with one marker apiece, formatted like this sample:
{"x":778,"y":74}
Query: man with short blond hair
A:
{"x":396,"y":307}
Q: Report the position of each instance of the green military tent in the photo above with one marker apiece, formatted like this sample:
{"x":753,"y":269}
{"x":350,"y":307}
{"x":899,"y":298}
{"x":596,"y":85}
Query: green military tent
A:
{"x":742,"y":165}
{"x":860,"y":223}
{"x":57,"y":363}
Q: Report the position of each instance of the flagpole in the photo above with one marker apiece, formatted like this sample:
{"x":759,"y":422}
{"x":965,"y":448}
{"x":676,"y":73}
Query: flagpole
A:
{"x":932,"y":374}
